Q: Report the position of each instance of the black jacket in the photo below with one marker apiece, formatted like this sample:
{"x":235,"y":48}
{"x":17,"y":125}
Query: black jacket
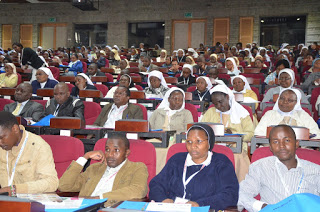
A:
{"x":75,"y":90}
{"x":186,"y":81}
{"x":73,"y":107}
{"x":30,"y":57}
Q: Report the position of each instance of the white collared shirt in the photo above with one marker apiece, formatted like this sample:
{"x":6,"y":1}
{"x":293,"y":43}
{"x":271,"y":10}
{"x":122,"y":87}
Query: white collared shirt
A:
{"x":114,"y":115}
{"x":190,"y":162}
{"x":42,"y":84}
{"x":106,"y":182}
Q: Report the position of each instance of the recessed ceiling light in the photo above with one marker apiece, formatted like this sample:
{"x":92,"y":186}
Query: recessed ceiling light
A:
{"x":262,"y":21}
{"x":298,"y":19}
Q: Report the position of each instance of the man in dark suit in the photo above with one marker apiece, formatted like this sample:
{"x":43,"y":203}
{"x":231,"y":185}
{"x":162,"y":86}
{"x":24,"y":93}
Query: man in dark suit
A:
{"x":94,"y":72}
{"x":120,"y":109}
{"x":24,"y":106}
{"x":63,"y":104}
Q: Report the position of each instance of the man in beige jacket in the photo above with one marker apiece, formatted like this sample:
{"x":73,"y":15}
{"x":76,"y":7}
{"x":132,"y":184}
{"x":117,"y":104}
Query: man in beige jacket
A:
{"x":115,"y":178}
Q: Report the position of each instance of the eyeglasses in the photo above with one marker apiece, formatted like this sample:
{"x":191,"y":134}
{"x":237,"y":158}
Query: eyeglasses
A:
{"x":284,"y":79}
{"x":287,"y":100}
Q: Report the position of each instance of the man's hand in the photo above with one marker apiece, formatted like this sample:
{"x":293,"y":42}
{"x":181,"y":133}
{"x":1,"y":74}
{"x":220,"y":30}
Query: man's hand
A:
{"x":193,"y":204}
{"x":144,"y":69}
{"x":168,"y":201}
{"x":96,"y":155}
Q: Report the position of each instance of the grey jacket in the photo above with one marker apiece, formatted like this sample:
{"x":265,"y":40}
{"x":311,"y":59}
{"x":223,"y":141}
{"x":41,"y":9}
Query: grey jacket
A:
{"x":31,"y":109}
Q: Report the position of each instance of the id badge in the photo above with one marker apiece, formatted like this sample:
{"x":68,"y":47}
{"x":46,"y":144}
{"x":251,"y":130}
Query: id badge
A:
{"x":180,"y":200}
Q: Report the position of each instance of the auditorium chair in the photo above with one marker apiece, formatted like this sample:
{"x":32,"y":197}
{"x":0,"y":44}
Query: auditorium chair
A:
{"x":3,"y":102}
{"x":271,"y":107}
{"x":144,"y":111}
{"x":103,"y":88}
{"x":91,"y":112}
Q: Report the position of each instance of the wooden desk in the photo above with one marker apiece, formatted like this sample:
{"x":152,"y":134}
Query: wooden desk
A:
{"x":223,"y":139}
{"x":13,"y":204}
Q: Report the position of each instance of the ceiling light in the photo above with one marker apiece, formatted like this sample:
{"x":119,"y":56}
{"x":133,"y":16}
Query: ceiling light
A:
{"x":262,"y":21}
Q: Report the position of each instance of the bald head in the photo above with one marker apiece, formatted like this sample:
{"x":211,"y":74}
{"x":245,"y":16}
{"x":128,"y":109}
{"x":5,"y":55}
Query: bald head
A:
{"x":23,"y":92}
{"x":61,"y":92}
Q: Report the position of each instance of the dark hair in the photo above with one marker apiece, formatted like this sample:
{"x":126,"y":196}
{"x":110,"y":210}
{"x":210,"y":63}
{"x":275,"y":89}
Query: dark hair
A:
{"x":285,"y":127}
{"x":8,"y":59}
{"x":121,"y":136}
{"x":7,"y":120}
{"x":283,"y":62}
{"x":127,"y":90}
{"x":17,"y":44}
{"x":95,"y":65}
{"x":131,"y":85}
{"x":76,"y":55}
{"x":147,"y":57}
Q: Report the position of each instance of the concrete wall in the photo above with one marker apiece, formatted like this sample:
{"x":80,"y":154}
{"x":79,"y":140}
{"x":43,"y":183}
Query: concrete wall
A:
{"x":118,"y":13}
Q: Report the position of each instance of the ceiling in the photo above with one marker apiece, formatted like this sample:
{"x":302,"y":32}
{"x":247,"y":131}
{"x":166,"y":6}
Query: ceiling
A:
{"x":33,"y":1}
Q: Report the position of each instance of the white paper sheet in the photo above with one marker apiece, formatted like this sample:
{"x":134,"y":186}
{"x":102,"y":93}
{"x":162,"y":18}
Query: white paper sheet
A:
{"x":158,"y":206}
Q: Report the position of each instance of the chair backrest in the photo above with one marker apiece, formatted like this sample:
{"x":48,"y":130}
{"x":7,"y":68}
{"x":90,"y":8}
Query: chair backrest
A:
{"x":107,"y":70}
{"x":65,"y":149}
{"x":40,"y":101}
{"x":140,"y":151}
{"x":144,"y":111}
{"x":19,"y":79}
{"x":181,"y":147}
{"x":271,"y":107}
{"x":84,"y":66}
{"x":3,"y":102}
{"x":91,"y":112}
{"x":248,"y":108}
{"x":55,"y":72}
{"x":193,"y":111}
{"x":171,"y":80}
{"x":191,"y":88}
{"x":134,"y":70}
{"x":103,"y":88}
{"x":138,"y":87}
{"x":222,"y":70}
{"x":314,"y":96}
{"x":70,"y":86}
{"x":109,"y":76}
{"x":306,"y":154}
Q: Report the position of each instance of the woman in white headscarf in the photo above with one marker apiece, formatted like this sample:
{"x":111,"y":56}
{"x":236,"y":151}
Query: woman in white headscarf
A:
{"x":232,"y":66}
{"x":286,"y":79}
{"x":263,"y":53}
{"x":9,"y":79}
{"x":283,"y":46}
{"x":171,"y":114}
{"x":240,"y":85}
{"x":163,"y":56}
{"x":44,"y":79}
{"x":114,"y":58}
{"x":157,"y":86}
{"x":302,"y":55}
{"x":126,"y":81}
{"x":202,"y":91}
{"x":234,"y":51}
{"x":193,"y":53}
{"x":236,"y":120}
{"x":248,"y":56}
{"x":287,"y":110}
{"x":214,"y":61}
{"x":180,"y":55}
{"x":82,"y":82}
{"x":186,"y":76}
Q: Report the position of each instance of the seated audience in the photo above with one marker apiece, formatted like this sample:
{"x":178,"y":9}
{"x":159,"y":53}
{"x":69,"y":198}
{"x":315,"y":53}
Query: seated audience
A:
{"x":28,"y":157}
{"x":124,"y":65}
{"x":180,"y":56}
{"x":101,"y":60}
{"x":263,"y":53}
{"x":190,"y":61}
{"x":271,"y":78}
{"x":157,"y":86}
{"x":75,"y":66}
{"x":193,"y":53}
{"x":57,"y":59}
{"x":286,"y":80}
{"x":236,"y":119}
{"x":240,"y":85}
{"x":202,"y":92}
{"x":9,"y":79}
{"x":248,"y":56}
{"x":287,"y":110}
{"x":114,"y":59}
{"x":44,"y":79}
{"x":119,"y":109}
{"x":279,"y":176}
{"x":147,"y":66}
{"x":186,"y":76}
{"x":126,"y":81}
{"x":213,"y":76}
{"x":198,"y":177}
{"x":163,"y":56}
{"x":232,"y":66}
{"x":174,"y":67}
{"x":82,"y":82}
{"x":134,"y":56}
{"x":171,"y":113}
{"x":93,"y":71}
{"x":314,"y":77}
{"x":167,"y":63}
{"x":23,"y":106}
{"x":214,"y":61}
{"x":258,"y":63}
{"x":115,"y":177}
{"x":201,"y":68}
{"x":63,"y":104}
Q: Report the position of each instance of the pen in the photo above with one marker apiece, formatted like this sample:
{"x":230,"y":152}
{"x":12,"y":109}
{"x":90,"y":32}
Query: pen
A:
{"x":144,"y":207}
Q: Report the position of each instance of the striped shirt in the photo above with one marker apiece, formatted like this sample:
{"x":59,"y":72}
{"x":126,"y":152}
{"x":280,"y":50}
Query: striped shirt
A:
{"x":274,"y":182}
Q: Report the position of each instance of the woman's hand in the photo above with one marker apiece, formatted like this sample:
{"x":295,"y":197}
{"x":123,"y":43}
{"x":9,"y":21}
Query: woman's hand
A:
{"x":271,"y":83}
{"x":168,"y":201}
{"x":193,"y":204}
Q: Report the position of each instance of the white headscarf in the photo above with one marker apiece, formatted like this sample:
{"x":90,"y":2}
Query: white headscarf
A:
{"x":234,"y":47}
{"x":250,"y":55}
{"x":208,"y":81}
{"x":48,"y":72}
{"x":194,"y":53}
{"x":266,"y":55}
{"x":180,"y":50}
{"x":14,"y":69}
{"x":86,"y":77}
{"x":246,"y":83}
{"x":291,"y":74}
{"x":296,"y":107}
{"x":165,"y":102}
{"x":116,"y":47}
{"x":116,"y":54}
{"x":236,"y":111}
{"x":304,"y":47}
{"x":283,"y":46}
{"x":188,"y":66}
{"x":235,"y":67}
{"x":159,"y":75}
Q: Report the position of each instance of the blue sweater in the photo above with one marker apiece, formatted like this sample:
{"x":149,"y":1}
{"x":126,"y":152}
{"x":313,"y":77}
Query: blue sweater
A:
{"x":77,"y":68}
{"x":36,"y":85}
{"x":215,"y":185}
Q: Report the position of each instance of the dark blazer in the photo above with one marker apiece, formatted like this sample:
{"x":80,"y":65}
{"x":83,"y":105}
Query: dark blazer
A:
{"x":75,"y":90}
{"x":191,"y":80}
{"x":131,"y":112}
{"x":73,"y":107}
{"x":30,"y":57}
{"x":31,"y":109}
{"x":36,"y":85}
{"x":98,"y":74}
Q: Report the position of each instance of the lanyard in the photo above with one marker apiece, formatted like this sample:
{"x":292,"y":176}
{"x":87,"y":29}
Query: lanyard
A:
{"x":285,"y":185}
{"x":186,"y":182}
{"x":10,"y":180}
{"x":115,"y":115}
{"x":201,"y":97}
{"x":184,"y":81}
{"x":57,"y":110}
{"x":112,"y":176}
{"x":222,"y":122}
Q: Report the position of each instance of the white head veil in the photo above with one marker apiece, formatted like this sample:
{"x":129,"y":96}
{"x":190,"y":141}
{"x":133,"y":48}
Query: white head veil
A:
{"x":291,"y":74}
{"x":236,"y":111}
{"x":159,"y":75}
{"x":208,"y":81}
{"x":296,"y":107}
{"x":235,"y":67}
{"x":165,"y":102}
{"x":86,"y":77}
{"x":250,"y":55}
{"x":48,"y":72}
{"x":180,"y":50}
{"x":194,"y":53}
{"x":188,"y":66}
{"x":266,"y":55}
{"x":246,"y":83}
{"x":14,"y":69}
